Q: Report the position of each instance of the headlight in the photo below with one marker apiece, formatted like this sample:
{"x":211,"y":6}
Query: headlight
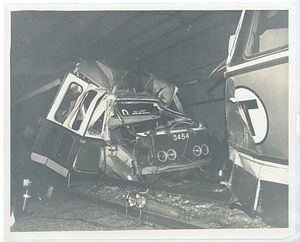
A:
{"x":197,"y":150}
{"x":172,"y":155}
{"x":162,"y":156}
{"x":205,"y":149}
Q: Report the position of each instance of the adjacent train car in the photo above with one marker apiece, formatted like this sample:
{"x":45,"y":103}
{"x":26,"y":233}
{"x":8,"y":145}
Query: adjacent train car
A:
{"x":257,"y":104}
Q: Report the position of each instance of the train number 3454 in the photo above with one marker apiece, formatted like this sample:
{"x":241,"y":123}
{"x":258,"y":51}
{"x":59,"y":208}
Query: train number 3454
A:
{"x":181,"y":136}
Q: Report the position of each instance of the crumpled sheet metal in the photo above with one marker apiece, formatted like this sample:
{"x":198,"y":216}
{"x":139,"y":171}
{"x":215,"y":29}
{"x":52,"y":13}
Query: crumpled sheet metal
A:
{"x":108,"y":78}
{"x":239,"y":133}
{"x":94,"y":73}
{"x":164,"y":90}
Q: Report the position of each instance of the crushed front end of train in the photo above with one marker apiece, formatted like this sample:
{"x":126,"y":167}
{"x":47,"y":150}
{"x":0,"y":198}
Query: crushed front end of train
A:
{"x":113,"y":122}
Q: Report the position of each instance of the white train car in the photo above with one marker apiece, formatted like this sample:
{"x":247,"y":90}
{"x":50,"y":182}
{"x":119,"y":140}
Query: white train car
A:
{"x":257,"y":105}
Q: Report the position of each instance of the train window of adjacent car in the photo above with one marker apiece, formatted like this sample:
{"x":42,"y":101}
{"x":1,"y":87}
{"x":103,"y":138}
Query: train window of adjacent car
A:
{"x":268,"y":32}
{"x":89,"y":96}
{"x":68,"y":102}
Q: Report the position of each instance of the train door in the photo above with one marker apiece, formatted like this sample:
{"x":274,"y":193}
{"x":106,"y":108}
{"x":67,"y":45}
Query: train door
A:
{"x":61,"y":144}
{"x":89,"y":149}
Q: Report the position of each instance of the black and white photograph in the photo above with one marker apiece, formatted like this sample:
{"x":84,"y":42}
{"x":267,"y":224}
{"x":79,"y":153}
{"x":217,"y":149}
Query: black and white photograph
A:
{"x":150,"y":121}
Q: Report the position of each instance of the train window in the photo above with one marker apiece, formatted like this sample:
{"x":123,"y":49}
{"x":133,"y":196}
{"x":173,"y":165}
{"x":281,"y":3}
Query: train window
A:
{"x":96,"y":128}
{"x":89,"y":96}
{"x":96,"y":123}
{"x":50,"y":141}
{"x":268,"y":32}
{"x":68,"y":102}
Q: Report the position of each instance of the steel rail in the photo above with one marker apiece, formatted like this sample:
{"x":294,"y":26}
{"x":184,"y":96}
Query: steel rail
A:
{"x":150,"y":217}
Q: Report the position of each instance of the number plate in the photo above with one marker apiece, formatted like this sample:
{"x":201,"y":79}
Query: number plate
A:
{"x":180,"y":136}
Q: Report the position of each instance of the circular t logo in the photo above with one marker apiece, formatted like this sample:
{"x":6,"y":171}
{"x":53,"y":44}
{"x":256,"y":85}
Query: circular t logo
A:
{"x":255,"y":113}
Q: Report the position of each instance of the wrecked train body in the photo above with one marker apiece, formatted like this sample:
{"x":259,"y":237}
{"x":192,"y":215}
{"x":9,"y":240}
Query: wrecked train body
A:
{"x":109,"y":121}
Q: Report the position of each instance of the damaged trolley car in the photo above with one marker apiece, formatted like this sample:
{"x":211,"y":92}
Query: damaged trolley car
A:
{"x":110,"y":121}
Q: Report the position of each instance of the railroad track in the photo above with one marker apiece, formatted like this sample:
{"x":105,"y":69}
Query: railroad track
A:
{"x":94,"y":205}
{"x":205,"y":205}
{"x":105,"y":204}
{"x":217,"y":194}
{"x":160,"y":218}
{"x":163,"y":221}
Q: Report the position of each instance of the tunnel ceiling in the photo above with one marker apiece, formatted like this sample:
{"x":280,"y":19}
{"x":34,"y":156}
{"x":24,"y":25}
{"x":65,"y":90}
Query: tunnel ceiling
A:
{"x":174,"y":45}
